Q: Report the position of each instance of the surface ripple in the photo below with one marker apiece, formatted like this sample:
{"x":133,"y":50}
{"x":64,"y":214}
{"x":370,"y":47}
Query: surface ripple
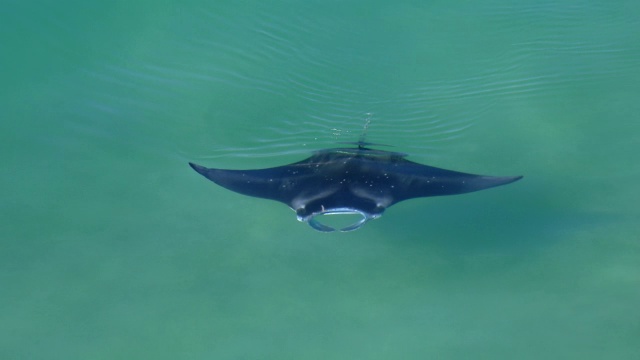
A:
{"x":282,"y":81}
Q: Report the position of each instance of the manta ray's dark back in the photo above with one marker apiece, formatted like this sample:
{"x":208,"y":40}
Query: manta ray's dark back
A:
{"x":347,"y":181}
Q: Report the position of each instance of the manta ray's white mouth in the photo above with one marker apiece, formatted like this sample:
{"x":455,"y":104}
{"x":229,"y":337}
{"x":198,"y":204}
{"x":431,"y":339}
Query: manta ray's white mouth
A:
{"x":315,"y":223}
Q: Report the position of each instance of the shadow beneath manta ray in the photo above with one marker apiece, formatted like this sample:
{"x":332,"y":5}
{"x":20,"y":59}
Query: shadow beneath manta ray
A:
{"x":511,"y":223}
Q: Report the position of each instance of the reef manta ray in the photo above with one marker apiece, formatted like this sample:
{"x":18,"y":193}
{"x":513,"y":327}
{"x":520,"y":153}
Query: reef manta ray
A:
{"x":339,"y":181}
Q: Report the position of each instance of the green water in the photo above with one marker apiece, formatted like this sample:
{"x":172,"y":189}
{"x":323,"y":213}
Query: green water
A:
{"x":113,"y":248}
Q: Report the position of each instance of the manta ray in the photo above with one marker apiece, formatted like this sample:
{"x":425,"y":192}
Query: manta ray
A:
{"x":358,"y":180}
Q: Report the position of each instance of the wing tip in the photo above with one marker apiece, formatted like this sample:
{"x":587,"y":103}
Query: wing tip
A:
{"x":487,"y":182}
{"x":504,"y":180}
{"x":199,"y":169}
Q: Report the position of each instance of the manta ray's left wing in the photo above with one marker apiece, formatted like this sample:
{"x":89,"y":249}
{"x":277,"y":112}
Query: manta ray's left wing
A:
{"x":282,"y":183}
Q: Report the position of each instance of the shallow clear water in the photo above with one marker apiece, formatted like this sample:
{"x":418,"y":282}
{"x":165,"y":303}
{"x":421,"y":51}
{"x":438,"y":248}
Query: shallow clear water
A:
{"x":112,"y":247}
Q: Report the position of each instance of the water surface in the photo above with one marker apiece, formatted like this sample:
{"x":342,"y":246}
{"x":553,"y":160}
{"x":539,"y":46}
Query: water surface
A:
{"x":112,"y":247}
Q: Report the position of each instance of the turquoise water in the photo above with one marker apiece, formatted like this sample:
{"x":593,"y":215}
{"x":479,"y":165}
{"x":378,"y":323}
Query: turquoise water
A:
{"x":112,"y":247}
